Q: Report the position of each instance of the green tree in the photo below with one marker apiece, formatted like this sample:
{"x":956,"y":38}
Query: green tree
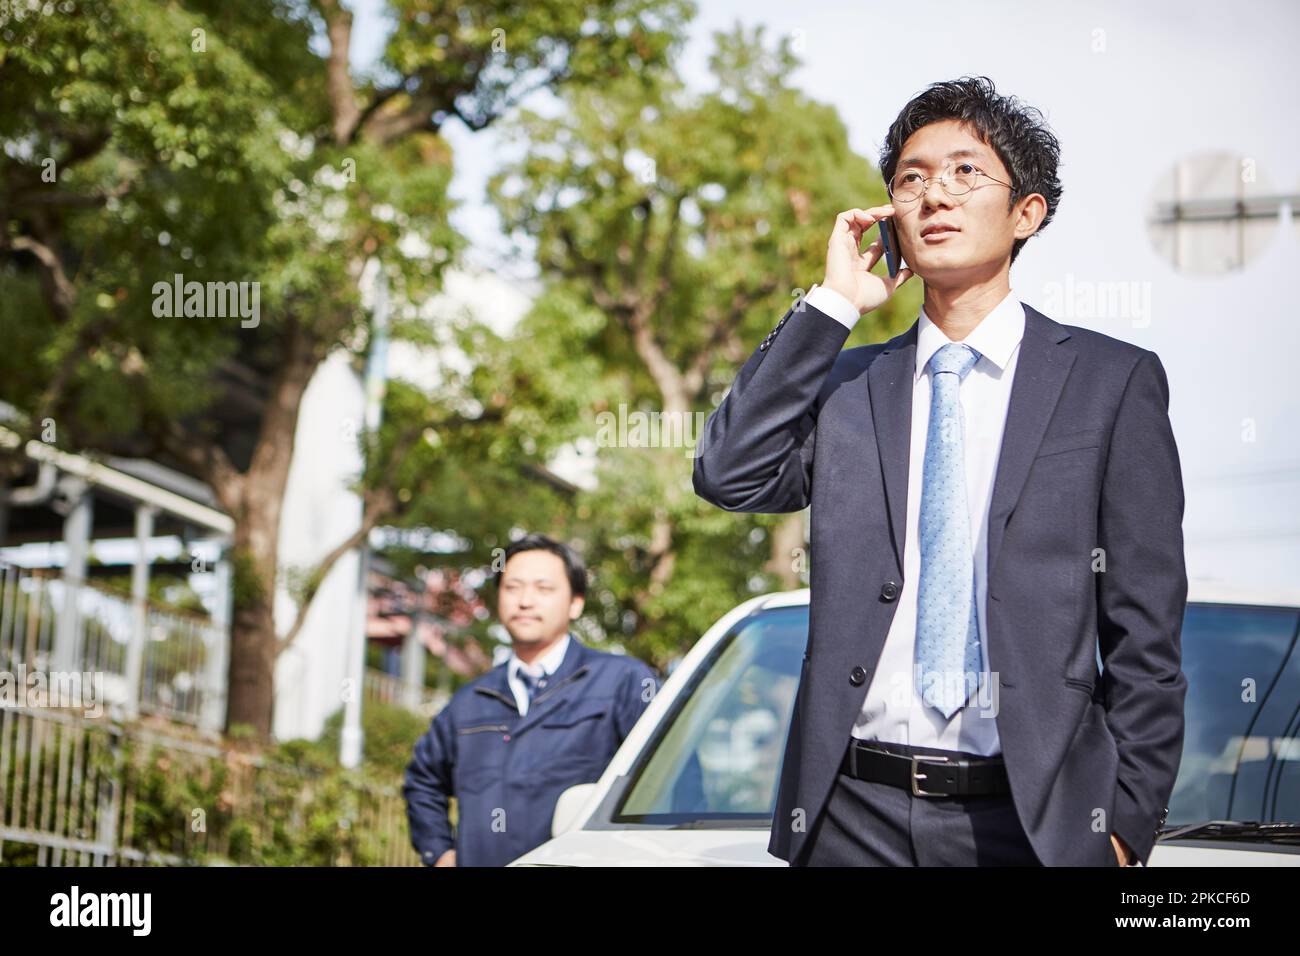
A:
{"x":674,"y":230}
{"x":235,"y":142}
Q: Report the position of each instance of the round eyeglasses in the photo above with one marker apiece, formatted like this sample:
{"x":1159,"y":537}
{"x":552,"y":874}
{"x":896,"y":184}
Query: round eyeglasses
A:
{"x":908,"y":185}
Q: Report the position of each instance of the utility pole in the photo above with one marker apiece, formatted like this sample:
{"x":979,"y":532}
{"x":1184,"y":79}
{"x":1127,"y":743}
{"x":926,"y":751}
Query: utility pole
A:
{"x":351,"y":740}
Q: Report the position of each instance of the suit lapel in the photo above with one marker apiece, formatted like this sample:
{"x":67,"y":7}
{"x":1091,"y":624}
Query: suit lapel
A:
{"x":1041,"y":371}
{"x":889,"y":381}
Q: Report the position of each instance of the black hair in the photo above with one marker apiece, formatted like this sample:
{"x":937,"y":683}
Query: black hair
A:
{"x":1016,"y":131}
{"x":573,"y":564}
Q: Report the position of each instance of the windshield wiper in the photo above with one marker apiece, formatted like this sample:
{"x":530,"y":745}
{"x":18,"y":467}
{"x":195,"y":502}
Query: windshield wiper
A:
{"x":1251,"y":831}
{"x":732,"y":823}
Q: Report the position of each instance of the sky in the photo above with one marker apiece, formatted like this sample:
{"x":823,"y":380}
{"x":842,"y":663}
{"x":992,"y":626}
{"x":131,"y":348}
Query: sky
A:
{"x":1129,"y":89}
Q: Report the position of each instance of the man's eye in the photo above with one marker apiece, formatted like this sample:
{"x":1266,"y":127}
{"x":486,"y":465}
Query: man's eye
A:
{"x":908,"y":178}
{"x":966,"y":169}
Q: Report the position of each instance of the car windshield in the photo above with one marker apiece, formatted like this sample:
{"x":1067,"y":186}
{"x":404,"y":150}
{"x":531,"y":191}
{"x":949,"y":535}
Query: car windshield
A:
{"x":1241,"y":753}
{"x":715,"y":759}
{"x":717,"y":756}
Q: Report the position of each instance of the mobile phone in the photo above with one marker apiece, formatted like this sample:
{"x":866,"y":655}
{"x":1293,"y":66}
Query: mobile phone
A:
{"x":889,"y":245}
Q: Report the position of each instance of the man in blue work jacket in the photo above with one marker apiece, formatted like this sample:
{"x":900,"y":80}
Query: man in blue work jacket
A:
{"x":510,"y":742}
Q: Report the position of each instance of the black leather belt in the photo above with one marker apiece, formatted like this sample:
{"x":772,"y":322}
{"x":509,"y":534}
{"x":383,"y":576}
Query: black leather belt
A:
{"x":926,"y":775}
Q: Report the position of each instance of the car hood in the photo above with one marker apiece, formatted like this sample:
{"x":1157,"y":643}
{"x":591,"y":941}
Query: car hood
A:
{"x":654,"y":848}
{"x":749,"y":848}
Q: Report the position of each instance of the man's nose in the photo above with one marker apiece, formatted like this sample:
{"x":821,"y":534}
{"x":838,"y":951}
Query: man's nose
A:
{"x":934,"y":195}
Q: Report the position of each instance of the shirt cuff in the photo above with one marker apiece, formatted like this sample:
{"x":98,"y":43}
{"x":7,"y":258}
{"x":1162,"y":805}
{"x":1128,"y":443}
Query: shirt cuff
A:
{"x":833,"y":304}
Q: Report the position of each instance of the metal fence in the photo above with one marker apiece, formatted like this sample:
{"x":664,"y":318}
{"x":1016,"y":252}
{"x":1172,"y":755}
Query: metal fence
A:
{"x":384,"y":688}
{"x":89,"y":792}
{"x":85,"y":780}
{"x":137,"y":658}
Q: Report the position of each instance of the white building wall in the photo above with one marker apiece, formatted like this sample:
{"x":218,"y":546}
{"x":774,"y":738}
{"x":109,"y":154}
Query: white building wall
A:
{"x":1168,"y":86}
{"x":319,"y":512}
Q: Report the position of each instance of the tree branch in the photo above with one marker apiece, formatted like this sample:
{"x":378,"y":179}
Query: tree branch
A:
{"x":378,"y":505}
{"x":49,"y":197}
{"x":380,"y":502}
{"x":343,"y":99}
{"x":380,"y":98}
{"x":591,"y":270}
{"x":476,"y":124}
{"x":62,"y":293}
{"x":205,"y":458}
{"x":722,"y":336}
{"x":665,"y":374}
{"x":670,"y":250}
{"x":383,"y":128}
{"x":643,"y":243}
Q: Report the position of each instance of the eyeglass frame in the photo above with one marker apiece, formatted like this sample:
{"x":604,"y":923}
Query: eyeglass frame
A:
{"x":943,"y":181}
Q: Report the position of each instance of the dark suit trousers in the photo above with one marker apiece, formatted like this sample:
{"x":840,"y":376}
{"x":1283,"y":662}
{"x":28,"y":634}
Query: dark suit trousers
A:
{"x":877,"y":824}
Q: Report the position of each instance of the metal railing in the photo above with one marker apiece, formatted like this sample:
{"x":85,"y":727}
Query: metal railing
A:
{"x":84,"y":783}
{"x":384,"y":688}
{"x":176,"y":672}
{"x":85,"y":792}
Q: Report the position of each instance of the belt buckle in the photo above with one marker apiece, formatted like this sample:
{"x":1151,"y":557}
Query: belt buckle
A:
{"x":917,"y":791}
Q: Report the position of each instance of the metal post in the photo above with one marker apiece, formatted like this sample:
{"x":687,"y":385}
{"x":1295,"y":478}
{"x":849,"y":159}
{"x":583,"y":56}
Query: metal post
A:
{"x":144,"y":517}
{"x":76,"y":538}
{"x":215,"y":692}
{"x":413,"y":662}
{"x":351,"y":738}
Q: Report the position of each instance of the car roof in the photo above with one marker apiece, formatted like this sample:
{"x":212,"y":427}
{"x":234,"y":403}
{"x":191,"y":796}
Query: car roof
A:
{"x":1199,"y":591}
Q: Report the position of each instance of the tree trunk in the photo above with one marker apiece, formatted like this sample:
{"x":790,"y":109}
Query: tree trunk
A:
{"x":252,"y":660}
{"x":254,"y":557}
{"x":789,"y":552}
{"x":254,"y":502}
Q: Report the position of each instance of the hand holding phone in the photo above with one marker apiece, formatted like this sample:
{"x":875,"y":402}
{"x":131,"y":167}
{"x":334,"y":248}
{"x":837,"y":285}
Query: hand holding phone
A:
{"x":848,"y":270}
{"x":889,"y":245}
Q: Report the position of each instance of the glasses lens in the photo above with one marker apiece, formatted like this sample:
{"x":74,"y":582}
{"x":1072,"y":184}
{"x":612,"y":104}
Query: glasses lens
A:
{"x":906,"y":186}
{"x":962,"y":179}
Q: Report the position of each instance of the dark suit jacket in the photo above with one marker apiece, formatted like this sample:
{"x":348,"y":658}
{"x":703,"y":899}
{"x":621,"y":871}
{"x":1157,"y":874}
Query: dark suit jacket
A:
{"x":1088,"y":461}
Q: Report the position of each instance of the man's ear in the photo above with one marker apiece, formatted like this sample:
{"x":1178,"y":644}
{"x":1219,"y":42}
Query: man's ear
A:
{"x":1029,"y":214}
{"x":575,"y":607}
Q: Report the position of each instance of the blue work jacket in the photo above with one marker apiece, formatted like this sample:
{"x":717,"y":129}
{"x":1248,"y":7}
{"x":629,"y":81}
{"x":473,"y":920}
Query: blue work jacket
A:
{"x":507,"y":770}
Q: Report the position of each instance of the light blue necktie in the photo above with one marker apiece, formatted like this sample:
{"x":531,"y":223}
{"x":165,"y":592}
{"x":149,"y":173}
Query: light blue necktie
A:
{"x":947,"y":629}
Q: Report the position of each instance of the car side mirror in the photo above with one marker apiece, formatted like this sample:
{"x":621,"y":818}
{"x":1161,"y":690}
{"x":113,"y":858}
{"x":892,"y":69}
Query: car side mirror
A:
{"x":568,"y":809}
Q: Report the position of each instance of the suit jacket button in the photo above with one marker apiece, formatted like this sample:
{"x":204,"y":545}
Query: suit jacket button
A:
{"x":857,"y":676}
{"x":889,"y":591}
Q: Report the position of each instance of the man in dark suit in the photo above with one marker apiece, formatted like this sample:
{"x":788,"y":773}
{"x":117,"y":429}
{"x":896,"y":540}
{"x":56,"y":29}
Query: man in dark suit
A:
{"x":997,"y":501}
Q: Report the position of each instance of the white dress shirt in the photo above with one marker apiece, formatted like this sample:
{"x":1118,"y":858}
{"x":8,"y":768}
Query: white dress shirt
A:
{"x":547,"y":664}
{"x":893,"y":710}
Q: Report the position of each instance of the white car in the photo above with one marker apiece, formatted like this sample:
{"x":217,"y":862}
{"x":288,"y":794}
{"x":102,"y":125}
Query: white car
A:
{"x":694,"y":783}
